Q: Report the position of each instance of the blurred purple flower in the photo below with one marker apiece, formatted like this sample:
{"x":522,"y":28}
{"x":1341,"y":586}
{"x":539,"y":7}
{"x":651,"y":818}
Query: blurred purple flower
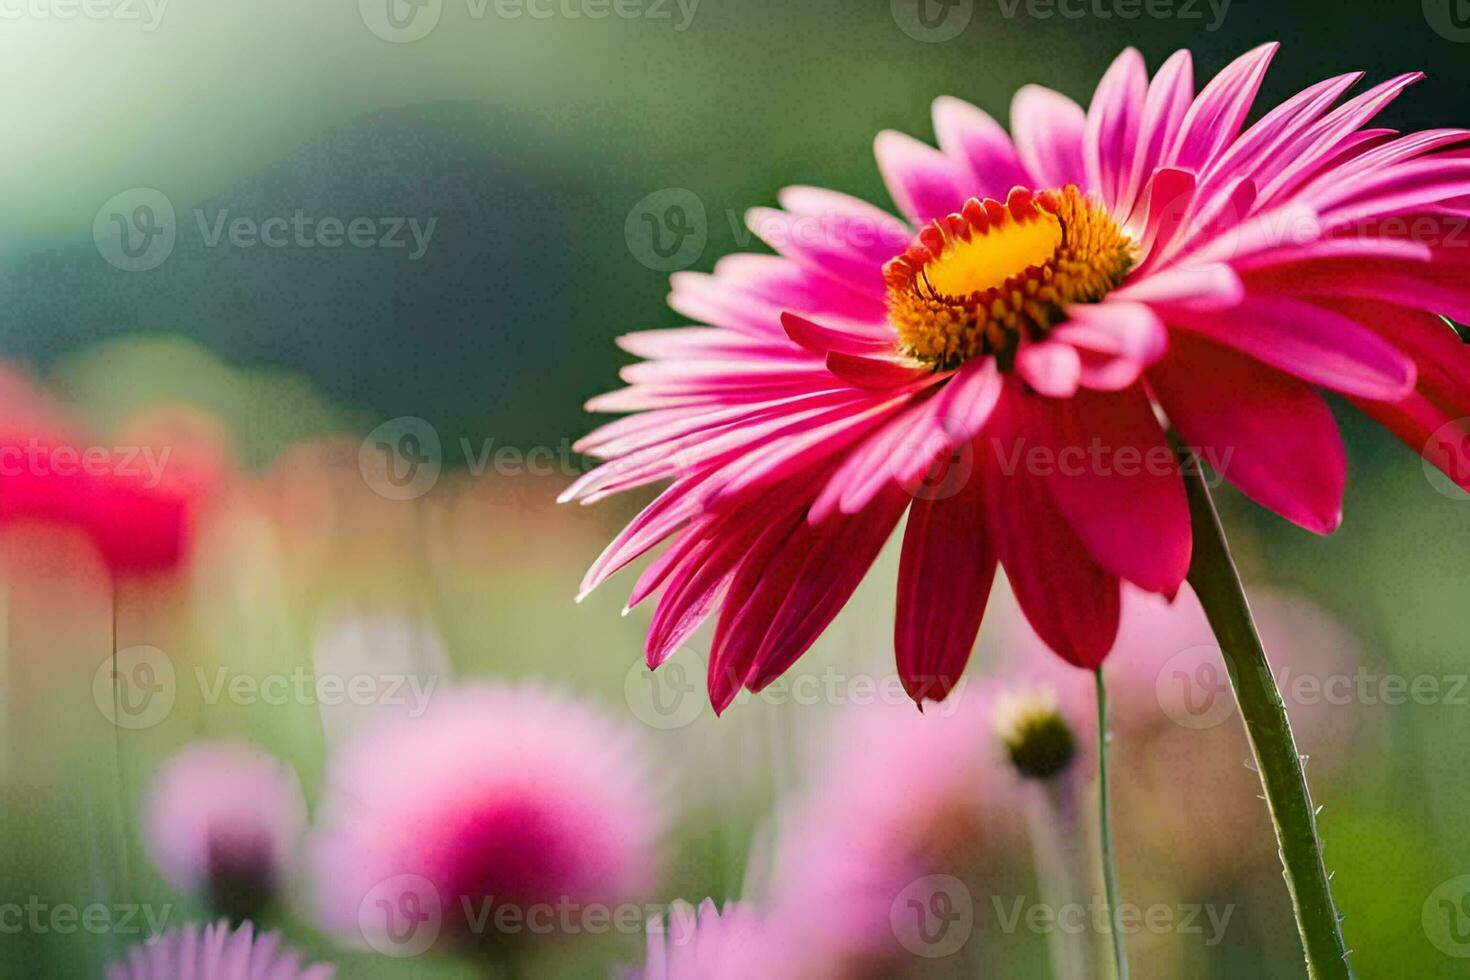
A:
{"x":224,"y":821}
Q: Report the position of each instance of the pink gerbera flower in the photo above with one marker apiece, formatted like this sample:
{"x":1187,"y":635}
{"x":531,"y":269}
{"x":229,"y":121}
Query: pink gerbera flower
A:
{"x":1004,"y":364}
{"x":216,"y":953}
{"x":500,"y":815}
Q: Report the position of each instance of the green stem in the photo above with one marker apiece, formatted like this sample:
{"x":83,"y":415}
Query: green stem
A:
{"x":1105,"y":827}
{"x":1217,"y":583}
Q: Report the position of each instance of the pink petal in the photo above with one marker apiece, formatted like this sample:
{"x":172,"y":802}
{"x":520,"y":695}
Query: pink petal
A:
{"x":1066,"y":597}
{"x":1432,"y":287}
{"x":821,"y":340}
{"x":1116,"y":339}
{"x":1048,"y":129}
{"x":1270,"y":435}
{"x":867,"y":371}
{"x":1196,"y":287}
{"x":1117,"y":483}
{"x":1164,"y":109}
{"x":1217,"y":115}
{"x":1051,"y":368}
{"x":774,"y":281}
{"x":923,"y":182}
{"x":1111,"y":137}
{"x":1162,"y":212}
{"x":1263,"y":142}
{"x":836,"y":558}
{"x":969,"y":134}
{"x":944,"y":579}
{"x":1310,"y":342}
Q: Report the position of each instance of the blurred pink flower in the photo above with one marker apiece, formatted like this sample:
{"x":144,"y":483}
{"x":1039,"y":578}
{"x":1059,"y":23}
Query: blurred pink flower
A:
{"x":498,"y":800}
{"x":705,"y":944}
{"x":1049,"y":295}
{"x":899,"y":796}
{"x":224,"y":821}
{"x":216,"y":953}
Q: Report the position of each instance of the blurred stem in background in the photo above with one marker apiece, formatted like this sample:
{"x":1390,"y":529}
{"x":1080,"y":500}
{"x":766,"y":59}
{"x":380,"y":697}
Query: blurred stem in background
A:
{"x":1105,"y":834}
{"x":1066,"y":868}
{"x":1216,"y":581}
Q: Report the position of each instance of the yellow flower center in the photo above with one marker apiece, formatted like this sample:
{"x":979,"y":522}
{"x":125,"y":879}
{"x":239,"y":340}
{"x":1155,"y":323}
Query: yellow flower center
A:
{"x":980,"y":281}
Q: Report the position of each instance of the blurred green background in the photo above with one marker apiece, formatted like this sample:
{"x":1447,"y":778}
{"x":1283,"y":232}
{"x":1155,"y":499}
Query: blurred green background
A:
{"x":530,"y":144}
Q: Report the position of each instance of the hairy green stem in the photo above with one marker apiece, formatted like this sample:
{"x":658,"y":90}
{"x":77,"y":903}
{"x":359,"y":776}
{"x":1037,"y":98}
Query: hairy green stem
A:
{"x":1216,"y":581}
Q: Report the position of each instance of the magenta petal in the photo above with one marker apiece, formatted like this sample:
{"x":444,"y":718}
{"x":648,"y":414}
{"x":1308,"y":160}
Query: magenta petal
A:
{"x":1111,"y":138}
{"x":867,"y":371}
{"x":969,"y":134}
{"x":1217,"y":116}
{"x":837,"y":557}
{"x":944,"y":579}
{"x":924,"y":183}
{"x":1270,"y":435}
{"x":1197,"y":287}
{"x":1169,"y":96}
{"x":820,"y":340}
{"x":766,"y":570}
{"x":1048,"y":128}
{"x":1116,"y":480}
{"x":1310,"y":342}
{"x":1066,"y":596}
